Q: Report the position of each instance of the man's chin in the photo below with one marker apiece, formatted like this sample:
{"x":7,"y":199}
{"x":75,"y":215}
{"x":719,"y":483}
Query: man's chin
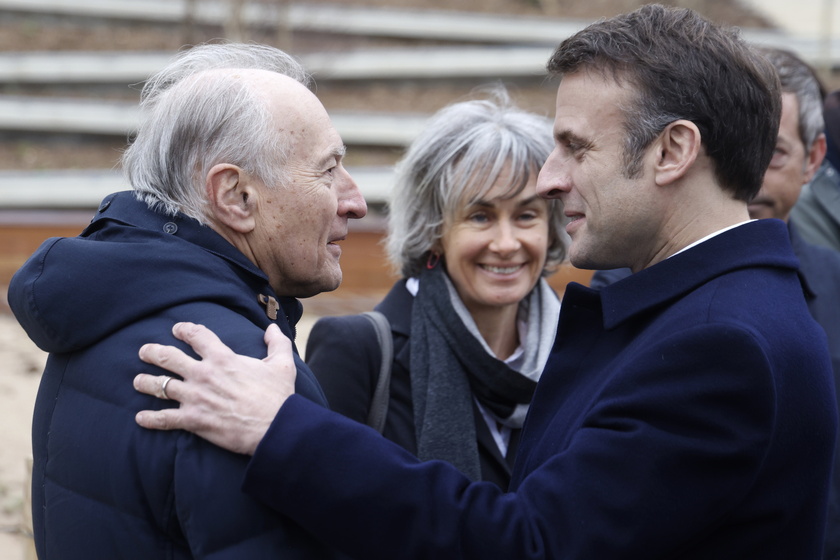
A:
{"x":581,"y":259}
{"x":592,"y":262}
{"x":324,"y":286}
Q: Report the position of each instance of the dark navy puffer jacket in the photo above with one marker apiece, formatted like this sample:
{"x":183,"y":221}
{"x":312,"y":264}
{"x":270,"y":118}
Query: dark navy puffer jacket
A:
{"x":104,"y":488}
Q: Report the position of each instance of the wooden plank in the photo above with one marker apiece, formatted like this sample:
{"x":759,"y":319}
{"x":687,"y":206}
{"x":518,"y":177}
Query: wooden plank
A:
{"x":85,"y":188}
{"x":119,"y":118}
{"x":391,"y":64}
{"x":385,"y":22}
{"x":325,"y":18}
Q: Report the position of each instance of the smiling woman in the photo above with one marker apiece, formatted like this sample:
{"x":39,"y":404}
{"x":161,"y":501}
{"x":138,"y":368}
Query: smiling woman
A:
{"x":495,"y":251}
{"x":472,"y":320}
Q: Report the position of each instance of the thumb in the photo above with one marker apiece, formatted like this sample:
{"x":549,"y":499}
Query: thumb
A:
{"x":279,"y":345}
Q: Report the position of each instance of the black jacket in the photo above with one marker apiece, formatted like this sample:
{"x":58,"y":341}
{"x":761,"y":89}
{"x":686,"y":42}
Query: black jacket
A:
{"x":344,"y":355}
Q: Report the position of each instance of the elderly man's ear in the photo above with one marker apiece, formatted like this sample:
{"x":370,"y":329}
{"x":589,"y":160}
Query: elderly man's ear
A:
{"x":232,"y":195}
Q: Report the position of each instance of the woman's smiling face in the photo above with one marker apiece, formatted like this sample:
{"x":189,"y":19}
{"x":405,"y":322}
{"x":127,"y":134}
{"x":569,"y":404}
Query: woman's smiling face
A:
{"x":495,"y":246}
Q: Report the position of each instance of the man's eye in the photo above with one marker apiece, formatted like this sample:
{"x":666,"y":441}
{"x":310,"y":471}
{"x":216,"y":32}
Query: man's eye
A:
{"x":779,"y":158}
{"x":574,"y":149}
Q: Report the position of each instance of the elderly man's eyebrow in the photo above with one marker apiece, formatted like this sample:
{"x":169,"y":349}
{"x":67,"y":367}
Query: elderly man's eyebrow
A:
{"x":336,"y":153}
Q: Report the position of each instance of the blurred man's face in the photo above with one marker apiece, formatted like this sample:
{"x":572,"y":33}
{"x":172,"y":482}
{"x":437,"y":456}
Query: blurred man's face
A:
{"x":792,"y":166}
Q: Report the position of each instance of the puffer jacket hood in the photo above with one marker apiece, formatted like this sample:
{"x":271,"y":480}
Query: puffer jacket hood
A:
{"x":57,"y":297}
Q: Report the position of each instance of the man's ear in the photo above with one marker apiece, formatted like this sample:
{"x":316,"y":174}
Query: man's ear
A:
{"x":232,"y":197}
{"x":815,"y":157}
{"x":677,"y":149}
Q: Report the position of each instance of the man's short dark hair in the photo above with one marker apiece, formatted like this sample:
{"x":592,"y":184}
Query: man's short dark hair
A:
{"x":685,"y":67}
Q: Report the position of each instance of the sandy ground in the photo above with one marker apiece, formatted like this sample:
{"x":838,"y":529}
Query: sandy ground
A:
{"x":21,"y":364}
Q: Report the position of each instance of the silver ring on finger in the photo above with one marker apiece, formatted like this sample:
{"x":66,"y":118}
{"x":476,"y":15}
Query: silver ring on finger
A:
{"x":166,"y":380}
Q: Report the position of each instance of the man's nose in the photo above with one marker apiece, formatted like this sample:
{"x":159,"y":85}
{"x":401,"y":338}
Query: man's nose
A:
{"x":351,"y":203}
{"x":552,"y":180}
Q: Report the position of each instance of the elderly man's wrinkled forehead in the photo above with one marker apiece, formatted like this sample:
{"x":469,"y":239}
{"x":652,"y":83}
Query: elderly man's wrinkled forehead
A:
{"x":281,"y":95}
{"x":265,"y":83}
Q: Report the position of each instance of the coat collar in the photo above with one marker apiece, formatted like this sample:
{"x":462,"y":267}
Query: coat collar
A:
{"x":125,"y":208}
{"x":397,"y":307}
{"x":804,"y":252}
{"x":825,"y":187}
{"x":761,"y":243}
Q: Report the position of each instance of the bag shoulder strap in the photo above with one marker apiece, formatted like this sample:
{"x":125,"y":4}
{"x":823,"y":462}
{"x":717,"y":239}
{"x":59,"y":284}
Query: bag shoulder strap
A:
{"x":381,"y":395}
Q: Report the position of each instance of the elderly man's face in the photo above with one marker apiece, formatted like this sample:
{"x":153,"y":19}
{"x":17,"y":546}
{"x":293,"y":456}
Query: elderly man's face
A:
{"x":791,"y":167}
{"x":301,"y":222}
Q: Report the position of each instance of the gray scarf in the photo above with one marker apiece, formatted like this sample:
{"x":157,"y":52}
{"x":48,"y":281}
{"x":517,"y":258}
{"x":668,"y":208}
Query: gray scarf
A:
{"x":451,"y":364}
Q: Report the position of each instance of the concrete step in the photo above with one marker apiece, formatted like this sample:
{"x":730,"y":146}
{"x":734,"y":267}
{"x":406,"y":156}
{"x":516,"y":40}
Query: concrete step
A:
{"x":453,"y":26}
{"x":392,"y":64}
{"x":310,"y":16}
{"x":85,"y":188}
{"x":119,"y":118}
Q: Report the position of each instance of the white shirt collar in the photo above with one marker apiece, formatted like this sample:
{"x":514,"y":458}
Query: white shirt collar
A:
{"x":718,"y":232}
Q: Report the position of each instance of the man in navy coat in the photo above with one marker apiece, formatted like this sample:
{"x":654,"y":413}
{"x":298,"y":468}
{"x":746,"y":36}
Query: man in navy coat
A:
{"x":239,"y":199}
{"x":686,"y":412}
{"x":799,"y":153}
